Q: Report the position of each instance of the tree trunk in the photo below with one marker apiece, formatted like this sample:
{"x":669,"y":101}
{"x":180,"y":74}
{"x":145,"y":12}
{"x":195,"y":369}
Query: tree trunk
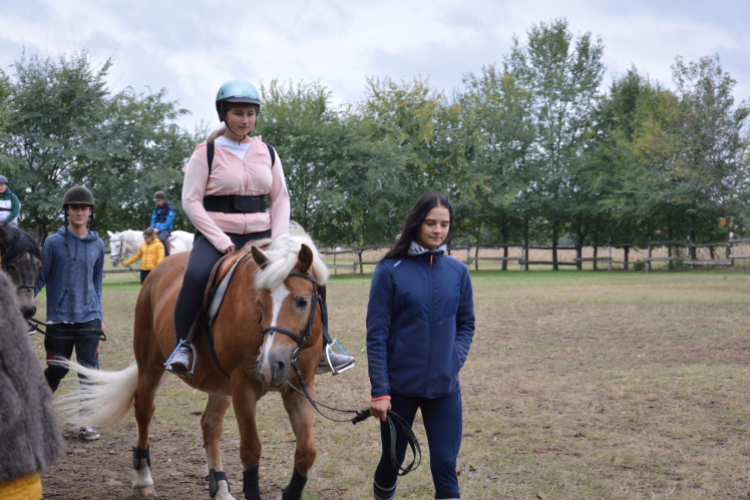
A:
{"x":693,"y":250}
{"x":555,"y":267}
{"x":504,"y":232}
{"x":596,"y":248}
{"x":526,"y":245}
{"x":626,"y":250}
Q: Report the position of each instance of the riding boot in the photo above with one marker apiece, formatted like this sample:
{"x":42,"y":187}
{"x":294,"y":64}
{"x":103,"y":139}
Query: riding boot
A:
{"x":331,"y":361}
{"x":179,"y":362}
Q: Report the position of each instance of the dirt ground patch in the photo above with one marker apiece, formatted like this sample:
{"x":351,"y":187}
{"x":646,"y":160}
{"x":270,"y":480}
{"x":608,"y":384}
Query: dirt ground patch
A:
{"x":578,"y":385}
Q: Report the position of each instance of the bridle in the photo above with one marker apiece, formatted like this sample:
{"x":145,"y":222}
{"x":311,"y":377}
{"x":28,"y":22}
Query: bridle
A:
{"x":317,"y":301}
{"x":360,"y":415}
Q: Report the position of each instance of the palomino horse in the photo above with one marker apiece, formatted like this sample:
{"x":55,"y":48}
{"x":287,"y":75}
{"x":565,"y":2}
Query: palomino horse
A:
{"x":270,"y":315}
{"x":129,"y":240}
{"x":21,"y":258}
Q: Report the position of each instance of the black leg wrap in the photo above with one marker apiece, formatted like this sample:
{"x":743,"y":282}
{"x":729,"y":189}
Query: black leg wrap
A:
{"x":138,"y":454}
{"x":250,"y":486}
{"x":293,"y":491}
{"x":213,"y":482}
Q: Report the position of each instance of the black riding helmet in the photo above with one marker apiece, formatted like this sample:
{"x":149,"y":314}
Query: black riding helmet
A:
{"x":78,"y":195}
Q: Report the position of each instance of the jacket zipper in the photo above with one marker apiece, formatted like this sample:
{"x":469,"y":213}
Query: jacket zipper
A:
{"x":429,"y":331}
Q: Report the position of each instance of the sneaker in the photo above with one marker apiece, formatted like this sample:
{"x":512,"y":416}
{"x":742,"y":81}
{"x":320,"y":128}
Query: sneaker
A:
{"x":334,"y":362}
{"x":88,"y":433}
{"x":180,"y":362}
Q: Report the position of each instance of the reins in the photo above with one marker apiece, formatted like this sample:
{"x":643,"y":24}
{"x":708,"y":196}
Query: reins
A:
{"x":92,"y":332}
{"x":392,"y":417}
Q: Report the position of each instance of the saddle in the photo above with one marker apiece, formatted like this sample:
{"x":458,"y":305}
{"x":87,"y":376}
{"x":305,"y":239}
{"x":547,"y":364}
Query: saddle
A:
{"x":213,"y":298}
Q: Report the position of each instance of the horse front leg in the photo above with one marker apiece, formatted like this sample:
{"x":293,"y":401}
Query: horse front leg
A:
{"x":245,"y":399}
{"x":212,"y":424}
{"x":301,"y":415}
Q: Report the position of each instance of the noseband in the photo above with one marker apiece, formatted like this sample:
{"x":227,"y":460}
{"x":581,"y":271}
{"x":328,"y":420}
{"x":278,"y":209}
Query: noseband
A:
{"x":317,"y":301}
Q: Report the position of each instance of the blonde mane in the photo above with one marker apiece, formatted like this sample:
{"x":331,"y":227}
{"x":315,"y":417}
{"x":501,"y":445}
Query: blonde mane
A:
{"x":282,"y":257}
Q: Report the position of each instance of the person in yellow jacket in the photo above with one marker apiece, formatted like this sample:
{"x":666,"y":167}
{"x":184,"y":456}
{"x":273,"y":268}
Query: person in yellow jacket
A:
{"x":150,"y":253}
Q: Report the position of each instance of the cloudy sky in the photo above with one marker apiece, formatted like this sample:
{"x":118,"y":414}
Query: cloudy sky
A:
{"x":192,"y":46}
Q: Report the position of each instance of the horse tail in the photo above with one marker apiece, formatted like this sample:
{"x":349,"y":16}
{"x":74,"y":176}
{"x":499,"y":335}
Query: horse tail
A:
{"x":103,"y":398}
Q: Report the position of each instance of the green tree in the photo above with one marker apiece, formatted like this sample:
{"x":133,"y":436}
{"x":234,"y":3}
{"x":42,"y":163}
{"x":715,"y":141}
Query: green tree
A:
{"x":713,"y":132}
{"x":496,"y":114}
{"x":303,"y":127}
{"x":563,"y":76}
{"x":63,"y":127}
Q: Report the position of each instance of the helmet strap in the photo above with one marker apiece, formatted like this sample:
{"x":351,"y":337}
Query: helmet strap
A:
{"x":235,"y":133}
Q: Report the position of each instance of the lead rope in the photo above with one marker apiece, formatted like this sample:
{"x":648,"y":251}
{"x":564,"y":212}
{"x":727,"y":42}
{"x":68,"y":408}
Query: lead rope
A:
{"x":362,"y":415}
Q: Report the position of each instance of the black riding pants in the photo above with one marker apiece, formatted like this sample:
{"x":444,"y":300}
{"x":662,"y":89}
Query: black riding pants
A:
{"x":203,"y":257}
{"x":60,"y":340}
{"x":443,"y":423}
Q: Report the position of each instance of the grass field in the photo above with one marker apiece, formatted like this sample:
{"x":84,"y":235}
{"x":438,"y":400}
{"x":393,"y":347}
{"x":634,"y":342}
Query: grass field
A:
{"x":577,"y":386}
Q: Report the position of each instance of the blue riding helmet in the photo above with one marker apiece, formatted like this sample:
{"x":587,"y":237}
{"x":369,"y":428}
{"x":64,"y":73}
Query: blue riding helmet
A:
{"x":236,"y":91}
{"x":3,"y":179}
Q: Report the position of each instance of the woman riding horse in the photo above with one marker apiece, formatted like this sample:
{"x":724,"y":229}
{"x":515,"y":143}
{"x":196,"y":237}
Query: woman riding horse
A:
{"x":227,"y":182}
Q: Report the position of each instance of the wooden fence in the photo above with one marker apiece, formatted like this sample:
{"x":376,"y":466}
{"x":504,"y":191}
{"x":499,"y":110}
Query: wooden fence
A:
{"x":631,"y":255}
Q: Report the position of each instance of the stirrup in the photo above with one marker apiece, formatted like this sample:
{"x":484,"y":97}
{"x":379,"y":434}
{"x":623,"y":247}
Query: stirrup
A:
{"x":191,"y":370}
{"x":327,"y":350}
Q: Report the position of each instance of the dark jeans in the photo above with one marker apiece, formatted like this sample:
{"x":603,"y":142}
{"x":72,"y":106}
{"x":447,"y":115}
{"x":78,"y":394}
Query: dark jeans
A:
{"x":203,"y":257}
{"x":143,"y":276}
{"x":164,"y":238}
{"x":443,"y":423}
{"x":60,"y":340}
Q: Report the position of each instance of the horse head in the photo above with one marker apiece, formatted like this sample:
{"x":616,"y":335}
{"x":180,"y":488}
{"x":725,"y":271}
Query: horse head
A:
{"x":291,"y":309}
{"x":115,"y":247}
{"x":22,"y":259}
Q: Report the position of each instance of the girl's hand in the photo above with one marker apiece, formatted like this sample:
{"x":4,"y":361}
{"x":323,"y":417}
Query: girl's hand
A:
{"x":102,"y":325}
{"x":379,"y":409}
{"x":230,"y":249}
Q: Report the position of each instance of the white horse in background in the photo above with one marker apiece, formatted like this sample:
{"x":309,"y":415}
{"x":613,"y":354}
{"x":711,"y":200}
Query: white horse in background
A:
{"x":180,"y":241}
{"x":128,"y":242}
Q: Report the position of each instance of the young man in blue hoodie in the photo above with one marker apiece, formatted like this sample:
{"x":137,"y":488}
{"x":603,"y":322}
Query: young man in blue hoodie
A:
{"x":72,"y":265}
{"x":161,"y":219}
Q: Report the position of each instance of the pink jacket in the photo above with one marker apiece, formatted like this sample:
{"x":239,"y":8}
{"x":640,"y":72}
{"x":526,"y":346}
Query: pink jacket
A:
{"x":254,"y":175}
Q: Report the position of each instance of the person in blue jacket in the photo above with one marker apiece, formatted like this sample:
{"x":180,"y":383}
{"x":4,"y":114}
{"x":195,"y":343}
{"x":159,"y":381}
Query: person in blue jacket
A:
{"x":72,"y":271}
{"x":420,"y":323}
{"x":161,"y":219}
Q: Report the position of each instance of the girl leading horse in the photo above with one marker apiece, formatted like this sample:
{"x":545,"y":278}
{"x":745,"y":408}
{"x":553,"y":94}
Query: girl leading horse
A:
{"x":270,"y":315}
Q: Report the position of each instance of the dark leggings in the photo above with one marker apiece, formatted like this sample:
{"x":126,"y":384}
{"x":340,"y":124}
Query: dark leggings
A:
{"x":203,"y":257}
{"x":164,"y":238}
{"x":443,"y":423}
{"x":60,"y":341}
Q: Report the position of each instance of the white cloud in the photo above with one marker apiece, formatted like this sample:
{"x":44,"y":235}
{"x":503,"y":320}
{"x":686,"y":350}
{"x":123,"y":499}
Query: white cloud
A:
{"x":192,"y":46}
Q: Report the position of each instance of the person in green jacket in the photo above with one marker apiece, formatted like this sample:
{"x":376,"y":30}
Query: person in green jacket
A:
{"x":9,"y":204}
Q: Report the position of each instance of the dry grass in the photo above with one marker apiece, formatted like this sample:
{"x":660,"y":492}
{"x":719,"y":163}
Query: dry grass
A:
{"x":578,"y":385}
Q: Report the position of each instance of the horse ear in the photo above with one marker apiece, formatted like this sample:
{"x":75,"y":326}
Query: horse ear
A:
{"x":258,"y":256}
{"x":110,"y":233}
{"x":37,"y":234}
{"x":305,"y":258}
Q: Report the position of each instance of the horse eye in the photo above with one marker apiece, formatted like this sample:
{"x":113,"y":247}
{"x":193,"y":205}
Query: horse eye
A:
{"x":300,"y":302}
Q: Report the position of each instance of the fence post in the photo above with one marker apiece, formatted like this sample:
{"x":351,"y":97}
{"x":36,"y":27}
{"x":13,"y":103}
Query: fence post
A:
{"x":648,"y":257}
{"x":610,"y":256}
{"x":356,"y":258}
{"x":468,"y":254}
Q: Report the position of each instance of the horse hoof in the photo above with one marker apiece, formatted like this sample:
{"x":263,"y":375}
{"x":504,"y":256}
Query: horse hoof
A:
{"x":146,"y":491}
